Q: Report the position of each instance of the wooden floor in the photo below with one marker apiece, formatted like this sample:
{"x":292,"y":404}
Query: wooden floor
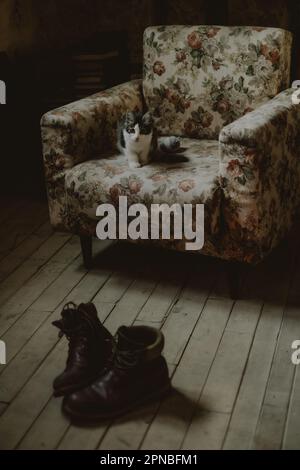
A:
{"x":235,"y":386}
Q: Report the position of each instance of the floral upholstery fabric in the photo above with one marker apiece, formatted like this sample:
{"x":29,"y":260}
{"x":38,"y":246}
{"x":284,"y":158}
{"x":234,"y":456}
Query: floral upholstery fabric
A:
{"x":260,"y":174}
{"x":197,"y":79}
{"x":190,"y":177}
{"x":79,"y":131}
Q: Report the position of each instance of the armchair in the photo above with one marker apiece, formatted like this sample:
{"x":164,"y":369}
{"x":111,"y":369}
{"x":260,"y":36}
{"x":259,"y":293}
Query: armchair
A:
{"x":224,"y":91}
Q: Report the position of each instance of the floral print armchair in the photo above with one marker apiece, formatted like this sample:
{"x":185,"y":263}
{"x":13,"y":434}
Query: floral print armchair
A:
{"x":224,"y":90}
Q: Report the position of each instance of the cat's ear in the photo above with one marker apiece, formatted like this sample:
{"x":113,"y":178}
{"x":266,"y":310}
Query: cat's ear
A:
{"x":147,"y":118}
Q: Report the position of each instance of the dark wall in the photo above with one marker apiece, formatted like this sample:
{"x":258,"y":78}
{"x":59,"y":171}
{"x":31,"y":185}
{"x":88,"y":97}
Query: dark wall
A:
{"x":32,"y":25}
{"x":32,"y":29}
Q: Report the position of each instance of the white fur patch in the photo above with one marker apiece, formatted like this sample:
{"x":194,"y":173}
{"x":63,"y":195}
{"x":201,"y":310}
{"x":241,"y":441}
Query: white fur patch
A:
{"x":137,"y":147}
{"x":137,"y":142}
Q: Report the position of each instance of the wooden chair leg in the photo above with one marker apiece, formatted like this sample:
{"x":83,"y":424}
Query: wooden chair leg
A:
{"x":234,"y":279}
{"x":86,"y":250}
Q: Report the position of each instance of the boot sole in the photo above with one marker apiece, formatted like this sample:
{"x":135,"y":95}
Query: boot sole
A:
{"x":79,"y":418}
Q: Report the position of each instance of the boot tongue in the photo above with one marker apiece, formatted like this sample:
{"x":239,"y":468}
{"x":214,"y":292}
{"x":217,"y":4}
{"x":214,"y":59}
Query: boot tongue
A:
{"x":73,"y":316}
{"x":125,"y":342}
{"x":69,"y":319}
{"x":89,"y":309}
{"x":145,"y":342}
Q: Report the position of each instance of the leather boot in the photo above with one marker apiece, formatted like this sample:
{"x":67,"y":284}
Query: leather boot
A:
{"x":138,"y":373}
{"x":90,"y":347}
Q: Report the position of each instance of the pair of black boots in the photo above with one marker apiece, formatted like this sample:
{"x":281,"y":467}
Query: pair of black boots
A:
{"x":105,"y":376}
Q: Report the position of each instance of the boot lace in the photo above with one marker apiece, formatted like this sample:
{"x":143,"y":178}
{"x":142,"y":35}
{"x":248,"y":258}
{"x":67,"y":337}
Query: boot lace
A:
{"x":77,"y":335}
{"x":123,"y":360}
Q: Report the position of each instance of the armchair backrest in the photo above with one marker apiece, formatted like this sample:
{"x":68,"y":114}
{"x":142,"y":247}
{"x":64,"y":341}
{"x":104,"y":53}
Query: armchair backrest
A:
{"x":198,"y":79}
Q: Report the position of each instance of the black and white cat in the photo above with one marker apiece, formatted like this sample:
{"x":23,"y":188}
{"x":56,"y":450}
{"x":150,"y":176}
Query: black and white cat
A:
{"x":137,"y":139}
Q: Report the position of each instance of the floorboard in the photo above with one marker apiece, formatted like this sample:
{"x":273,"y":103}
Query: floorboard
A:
{"x":234,"y":385}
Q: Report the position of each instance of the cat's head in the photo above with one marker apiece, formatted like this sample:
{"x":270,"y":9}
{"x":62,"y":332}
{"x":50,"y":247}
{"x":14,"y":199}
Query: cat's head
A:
{"x":136,"y":124}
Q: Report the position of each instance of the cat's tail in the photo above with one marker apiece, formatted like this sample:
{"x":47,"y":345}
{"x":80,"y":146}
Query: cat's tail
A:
{"x":169,"y":144}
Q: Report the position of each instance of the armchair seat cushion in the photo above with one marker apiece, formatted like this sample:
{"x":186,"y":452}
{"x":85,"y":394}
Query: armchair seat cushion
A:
{"x":190,"y":177}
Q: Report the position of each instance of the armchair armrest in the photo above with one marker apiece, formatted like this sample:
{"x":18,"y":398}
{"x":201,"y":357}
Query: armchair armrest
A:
{"x":79,"y":131}
{"x":260,"y":173}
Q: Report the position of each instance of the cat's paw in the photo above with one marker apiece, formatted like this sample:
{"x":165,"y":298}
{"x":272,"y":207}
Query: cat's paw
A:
{"x":134,"y":165}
